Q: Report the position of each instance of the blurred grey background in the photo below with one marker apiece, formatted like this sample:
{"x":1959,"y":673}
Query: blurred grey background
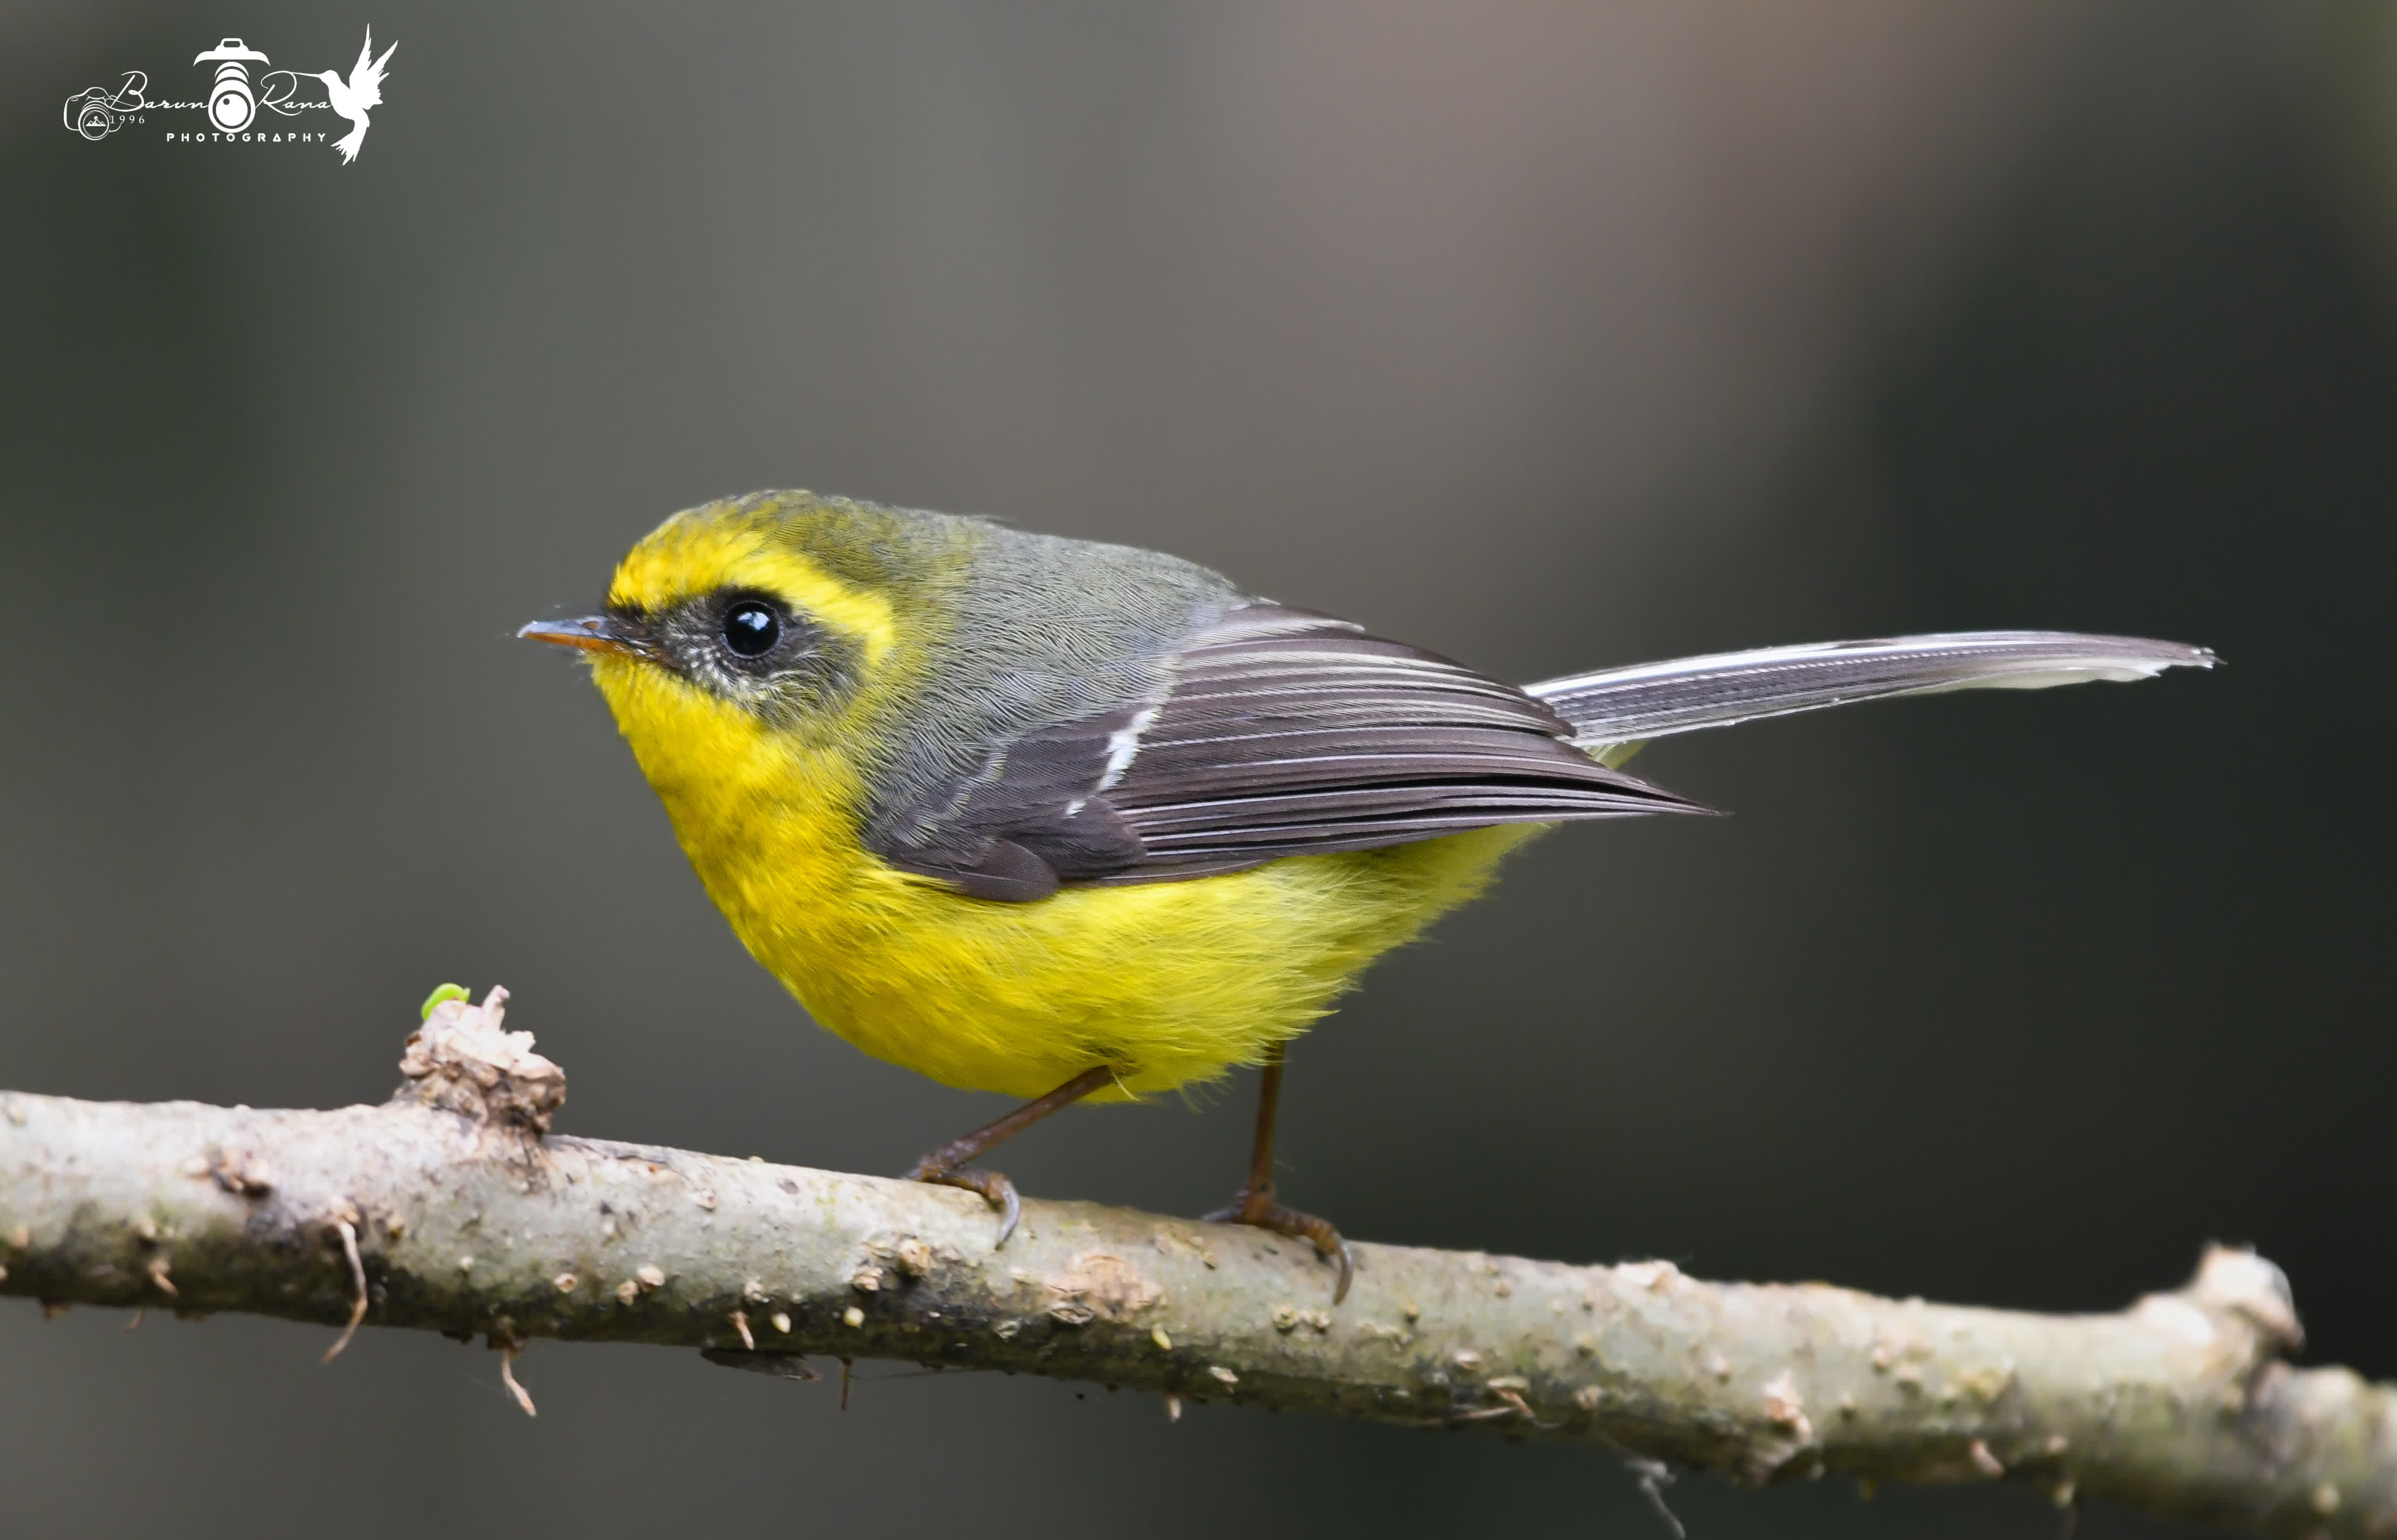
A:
{"x":1547,"y":335}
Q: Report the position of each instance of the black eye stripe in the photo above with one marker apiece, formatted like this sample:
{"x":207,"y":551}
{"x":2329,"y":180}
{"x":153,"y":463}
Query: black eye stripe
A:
{"x":754,"y":648}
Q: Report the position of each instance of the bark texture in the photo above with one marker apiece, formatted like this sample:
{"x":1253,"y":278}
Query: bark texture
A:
{"x":451,"y":1208}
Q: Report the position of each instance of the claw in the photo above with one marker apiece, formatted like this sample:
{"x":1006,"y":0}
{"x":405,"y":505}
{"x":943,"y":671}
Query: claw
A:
{"x":1011,"y":1211}
{"x":1259,"y":1211}
{"x":994,"y":1187}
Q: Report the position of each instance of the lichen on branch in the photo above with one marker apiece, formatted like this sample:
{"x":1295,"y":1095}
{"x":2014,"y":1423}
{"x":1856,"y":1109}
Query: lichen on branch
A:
{"x":451,"y":1207}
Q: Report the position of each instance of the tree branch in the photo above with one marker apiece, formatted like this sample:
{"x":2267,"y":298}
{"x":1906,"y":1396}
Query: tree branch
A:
{"x":451,"y":1209}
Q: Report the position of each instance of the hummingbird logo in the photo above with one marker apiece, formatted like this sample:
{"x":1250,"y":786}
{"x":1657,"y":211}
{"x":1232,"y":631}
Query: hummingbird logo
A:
{"x":352,"y":97}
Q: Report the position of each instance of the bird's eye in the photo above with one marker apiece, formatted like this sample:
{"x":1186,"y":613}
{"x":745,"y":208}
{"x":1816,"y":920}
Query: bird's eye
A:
{"x":751,"y":629}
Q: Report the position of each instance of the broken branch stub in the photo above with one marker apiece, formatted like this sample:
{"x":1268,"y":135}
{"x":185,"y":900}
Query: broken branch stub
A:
{"x":2182,"y":1405}
{"x":463,"y":1061}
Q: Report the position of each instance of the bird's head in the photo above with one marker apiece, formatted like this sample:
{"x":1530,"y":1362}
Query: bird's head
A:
{"x":778,"y":618}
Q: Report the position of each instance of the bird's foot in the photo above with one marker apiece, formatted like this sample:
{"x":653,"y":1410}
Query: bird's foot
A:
{"x":1256,"y":1207}
{"x":995,"y":1189}
{"x":946,"y":1165}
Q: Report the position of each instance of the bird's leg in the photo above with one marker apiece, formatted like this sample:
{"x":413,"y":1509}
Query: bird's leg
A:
{"x":1256,"y":1206}
{"x":943,"y":1166}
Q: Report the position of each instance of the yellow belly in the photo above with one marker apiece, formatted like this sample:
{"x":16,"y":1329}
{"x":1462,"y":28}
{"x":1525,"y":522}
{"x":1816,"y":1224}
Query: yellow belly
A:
{"x":1170,"y":980}
{"x":1173,"y":981}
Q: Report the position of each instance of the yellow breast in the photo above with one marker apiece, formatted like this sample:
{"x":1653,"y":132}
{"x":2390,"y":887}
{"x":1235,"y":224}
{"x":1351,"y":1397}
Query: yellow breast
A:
{"x":1170,"y":980}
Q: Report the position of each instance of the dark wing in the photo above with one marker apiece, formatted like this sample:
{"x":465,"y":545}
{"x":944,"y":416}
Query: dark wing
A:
{"x":1278,"y":733}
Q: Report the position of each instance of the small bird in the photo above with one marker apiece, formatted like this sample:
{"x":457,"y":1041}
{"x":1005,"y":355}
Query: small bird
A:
{"x":1078,"y":821}
{"x":352,"y":99}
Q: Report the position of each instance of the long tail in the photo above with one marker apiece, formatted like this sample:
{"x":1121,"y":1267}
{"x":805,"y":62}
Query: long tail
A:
{"x":1615,"y":711}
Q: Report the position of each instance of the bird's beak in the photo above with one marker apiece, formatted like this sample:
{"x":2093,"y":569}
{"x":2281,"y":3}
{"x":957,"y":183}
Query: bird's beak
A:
{"x":593,"y":634}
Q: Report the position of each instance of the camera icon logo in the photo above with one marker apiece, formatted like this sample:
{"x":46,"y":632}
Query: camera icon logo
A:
{"x":96,"y":112}
{"x":231,"y":102}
